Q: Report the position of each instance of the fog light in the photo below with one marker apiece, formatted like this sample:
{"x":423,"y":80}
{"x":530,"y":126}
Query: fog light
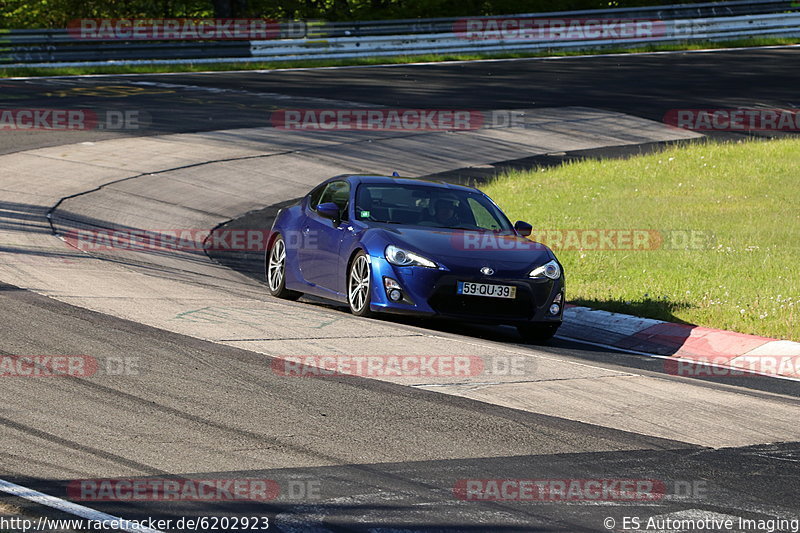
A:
{"x":554,"y":309}
{"x":393,"y":290}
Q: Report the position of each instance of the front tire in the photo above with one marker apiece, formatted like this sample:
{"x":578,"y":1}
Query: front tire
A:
{"x":275,"y":271}
{"x":359,"y":286}
{"x":538,"y":333}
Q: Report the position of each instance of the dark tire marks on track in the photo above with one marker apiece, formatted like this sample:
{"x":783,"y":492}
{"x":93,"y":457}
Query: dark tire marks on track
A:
{"x":645,"y":85}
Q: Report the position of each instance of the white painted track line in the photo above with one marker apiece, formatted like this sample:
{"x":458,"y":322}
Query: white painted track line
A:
{"x":421,"y":63}
{"x":68,"y":507}
{"x":676,"y":358}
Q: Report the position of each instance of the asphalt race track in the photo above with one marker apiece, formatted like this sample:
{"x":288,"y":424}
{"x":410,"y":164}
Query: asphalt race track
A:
{"x":186,"y":386}
{"x":646,"y":86}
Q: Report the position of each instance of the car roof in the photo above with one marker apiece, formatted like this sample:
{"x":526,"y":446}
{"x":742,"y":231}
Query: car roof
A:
{"x":399,"y":180}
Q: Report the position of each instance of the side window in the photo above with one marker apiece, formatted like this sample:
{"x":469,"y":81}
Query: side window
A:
{"x":483,"y":218}
{"x":337,"y":192}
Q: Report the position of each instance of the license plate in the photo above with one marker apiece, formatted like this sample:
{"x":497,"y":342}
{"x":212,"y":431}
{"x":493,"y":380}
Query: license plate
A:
{"x":486,"y":289}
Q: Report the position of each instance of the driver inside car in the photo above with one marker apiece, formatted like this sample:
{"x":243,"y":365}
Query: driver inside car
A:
{"x":445,"y":212}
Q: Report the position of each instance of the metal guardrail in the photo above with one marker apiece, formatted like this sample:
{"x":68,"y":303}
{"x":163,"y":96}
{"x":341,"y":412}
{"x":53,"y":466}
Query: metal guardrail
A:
{"x":677,"y":23}
{"x":666,"y":12}
{"x":723,"y":28}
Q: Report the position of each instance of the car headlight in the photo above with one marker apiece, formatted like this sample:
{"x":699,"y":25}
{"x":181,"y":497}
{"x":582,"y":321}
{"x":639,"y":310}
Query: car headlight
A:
{"x":548,"y":270}
{"x":398,"y":256}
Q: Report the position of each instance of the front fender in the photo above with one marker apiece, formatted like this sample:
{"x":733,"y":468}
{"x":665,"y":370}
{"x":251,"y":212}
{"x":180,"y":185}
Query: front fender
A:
{"x":287,"y":223}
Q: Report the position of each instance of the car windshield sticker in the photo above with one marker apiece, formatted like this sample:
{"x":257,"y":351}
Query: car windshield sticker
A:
{"x":364,"y":214}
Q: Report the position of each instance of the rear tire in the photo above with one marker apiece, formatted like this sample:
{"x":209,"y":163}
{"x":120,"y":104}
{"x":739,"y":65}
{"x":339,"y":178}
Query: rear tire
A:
{"x":275,"y":271}
{"x":359,"y":286}
{"x":538,"y":333}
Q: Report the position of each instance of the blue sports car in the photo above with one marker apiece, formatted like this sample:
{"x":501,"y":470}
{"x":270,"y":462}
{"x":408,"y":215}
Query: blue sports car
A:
{"x":401,"y":245}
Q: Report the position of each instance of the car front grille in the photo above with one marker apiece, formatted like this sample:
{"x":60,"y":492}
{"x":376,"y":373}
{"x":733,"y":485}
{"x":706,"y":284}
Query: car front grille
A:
{"x":444,"y":300}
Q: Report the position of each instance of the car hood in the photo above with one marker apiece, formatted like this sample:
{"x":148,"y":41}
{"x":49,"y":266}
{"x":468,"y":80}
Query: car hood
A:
{"x":459,"y":247}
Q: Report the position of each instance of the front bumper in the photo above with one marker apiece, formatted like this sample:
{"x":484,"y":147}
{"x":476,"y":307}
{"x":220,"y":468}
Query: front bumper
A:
{"x":432,"y":292}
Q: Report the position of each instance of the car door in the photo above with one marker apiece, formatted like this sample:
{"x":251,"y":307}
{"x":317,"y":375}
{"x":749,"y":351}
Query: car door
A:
{"x":322,"y":238}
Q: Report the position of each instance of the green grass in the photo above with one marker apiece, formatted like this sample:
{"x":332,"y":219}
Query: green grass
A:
{"x":744,"y":196}
{"x":205,"y":67}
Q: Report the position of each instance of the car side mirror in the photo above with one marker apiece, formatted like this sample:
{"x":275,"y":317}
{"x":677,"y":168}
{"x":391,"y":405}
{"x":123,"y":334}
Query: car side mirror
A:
{"x":523,"y":228}
{"x":328,"y":210}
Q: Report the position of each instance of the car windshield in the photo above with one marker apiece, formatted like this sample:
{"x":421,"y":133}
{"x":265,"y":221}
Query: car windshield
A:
{"x":435,"y":207}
